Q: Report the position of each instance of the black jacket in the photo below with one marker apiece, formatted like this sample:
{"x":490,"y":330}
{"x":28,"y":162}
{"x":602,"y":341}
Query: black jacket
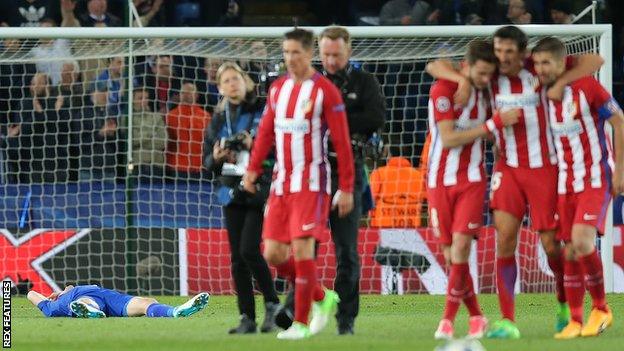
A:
{"x":364,"y":102}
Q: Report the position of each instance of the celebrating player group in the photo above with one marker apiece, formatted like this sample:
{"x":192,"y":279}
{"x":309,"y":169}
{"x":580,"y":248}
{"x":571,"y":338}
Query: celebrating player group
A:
{"x":547,"y":117}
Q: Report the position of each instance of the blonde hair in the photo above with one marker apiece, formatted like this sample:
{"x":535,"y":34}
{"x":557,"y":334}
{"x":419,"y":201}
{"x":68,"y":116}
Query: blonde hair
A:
{"x":231,"y":65}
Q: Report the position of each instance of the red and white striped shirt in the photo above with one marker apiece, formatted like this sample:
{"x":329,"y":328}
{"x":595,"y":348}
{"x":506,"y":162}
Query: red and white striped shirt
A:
{"x":528,"y":143}
{"x":460,"y":164}
{"x":298,"y":119}
{"x":577,"y":123}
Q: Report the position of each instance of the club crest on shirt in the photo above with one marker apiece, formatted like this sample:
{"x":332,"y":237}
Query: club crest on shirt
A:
{"x":306,"y":106}
{"x":442,"y":104}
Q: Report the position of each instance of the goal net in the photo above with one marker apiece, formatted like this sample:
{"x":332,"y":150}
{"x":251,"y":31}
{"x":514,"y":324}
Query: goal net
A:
{"x":101,"y":141}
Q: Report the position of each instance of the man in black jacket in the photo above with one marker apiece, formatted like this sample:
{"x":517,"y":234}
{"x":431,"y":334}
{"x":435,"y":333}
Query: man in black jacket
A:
{"x":366,"y":109}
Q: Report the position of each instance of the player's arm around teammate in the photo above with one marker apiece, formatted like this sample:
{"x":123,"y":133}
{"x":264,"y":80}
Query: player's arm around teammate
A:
{"x":456,"y":178}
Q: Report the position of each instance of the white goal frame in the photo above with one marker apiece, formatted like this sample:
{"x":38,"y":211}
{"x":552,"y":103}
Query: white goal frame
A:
{"x":603,"y":31}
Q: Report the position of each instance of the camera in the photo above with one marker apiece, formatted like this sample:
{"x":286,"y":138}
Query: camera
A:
{"x":235,"y":142}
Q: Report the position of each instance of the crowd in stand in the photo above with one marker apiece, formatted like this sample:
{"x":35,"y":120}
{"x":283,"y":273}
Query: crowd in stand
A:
{"x":65,"y":120}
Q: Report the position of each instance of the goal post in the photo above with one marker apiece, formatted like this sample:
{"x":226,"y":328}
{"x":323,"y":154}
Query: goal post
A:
{"x":164,"y":235}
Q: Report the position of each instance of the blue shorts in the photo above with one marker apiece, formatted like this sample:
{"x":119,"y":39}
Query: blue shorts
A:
{"x":111,"y":302}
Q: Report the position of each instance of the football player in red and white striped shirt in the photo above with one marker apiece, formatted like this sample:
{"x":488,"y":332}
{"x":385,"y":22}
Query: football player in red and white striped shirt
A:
{"x":586,"y":181}
{"x":456,"y":180}
{"x":526,"y":173}
{"x":303,"y":110}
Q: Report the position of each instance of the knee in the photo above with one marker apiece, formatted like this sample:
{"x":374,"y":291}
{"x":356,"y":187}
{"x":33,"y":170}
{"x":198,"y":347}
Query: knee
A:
{"x":148,"y":301}
{"x":460,"y":251}
{"x":274,"y":258}
{"x":506,"y":243}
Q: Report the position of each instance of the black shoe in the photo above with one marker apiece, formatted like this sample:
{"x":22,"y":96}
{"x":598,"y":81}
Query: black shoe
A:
{"x":246,"y":326}
{"x":269,"y":317}
{"x":285,"y":313}
{"x":345,"y":328}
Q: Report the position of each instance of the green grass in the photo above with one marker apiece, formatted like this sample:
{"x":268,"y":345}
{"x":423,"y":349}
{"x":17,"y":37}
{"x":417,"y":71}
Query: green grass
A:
{"x":386,"y":323}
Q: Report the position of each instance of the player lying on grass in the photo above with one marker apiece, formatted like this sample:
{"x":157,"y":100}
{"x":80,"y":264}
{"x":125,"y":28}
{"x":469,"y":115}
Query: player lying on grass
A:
{"x":456,"y":181}
{"x":92,"y":301}
{"x":586,"y":181}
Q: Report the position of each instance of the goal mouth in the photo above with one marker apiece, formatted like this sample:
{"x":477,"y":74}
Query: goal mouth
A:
{"x":77,"y":151}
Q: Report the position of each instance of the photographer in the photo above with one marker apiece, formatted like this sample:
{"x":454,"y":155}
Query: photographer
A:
{"x":229,"y":136}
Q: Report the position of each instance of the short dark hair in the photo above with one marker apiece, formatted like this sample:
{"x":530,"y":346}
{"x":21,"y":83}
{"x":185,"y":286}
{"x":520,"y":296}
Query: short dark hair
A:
{"x":480,"y":50}
{"x":513,"y":33}
{"x":551,"y":45}
{"x":303,"y":36}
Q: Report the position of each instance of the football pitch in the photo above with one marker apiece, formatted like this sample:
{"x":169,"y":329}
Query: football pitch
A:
{"x":391,"y":323}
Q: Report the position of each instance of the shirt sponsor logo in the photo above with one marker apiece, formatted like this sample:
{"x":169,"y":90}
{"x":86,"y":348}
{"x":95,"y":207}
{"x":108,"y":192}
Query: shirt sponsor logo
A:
{"x":289,"y":125}
{"x":517,"y":100}
{"x":467,"y":124}
{"x":571,"y":128}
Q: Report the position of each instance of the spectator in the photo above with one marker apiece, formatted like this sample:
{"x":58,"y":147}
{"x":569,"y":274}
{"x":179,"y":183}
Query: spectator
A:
{"x":261,"y":70}
{"x":408,"y":13}
{"x":71,"y":100}
{"x":149,"y":138}
{"x":97,"y":139}
{"x":45,"y":138}
{"x":209,"y":88}
{"x":233,"y":17}
{"x":28,"y":13}
{"x":186,"y":124}
{"x":162,"y":84}
{"x":148,"y":11}
{"x":97,"y":12}
{"x":561,"y":12}
{"x":112,"y":80}
{"x":517,"y":12}
{"x":398,"y":190}
{"x":58,"y":48}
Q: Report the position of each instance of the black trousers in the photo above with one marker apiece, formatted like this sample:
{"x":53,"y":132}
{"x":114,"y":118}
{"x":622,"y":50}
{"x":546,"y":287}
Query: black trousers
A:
{"x":244,"y":227}
{"x":344,"y":232}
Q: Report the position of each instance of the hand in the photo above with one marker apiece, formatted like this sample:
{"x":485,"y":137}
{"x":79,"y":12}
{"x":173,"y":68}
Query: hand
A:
{"x":510,"y":117}
{"x":462,"y":95}
{"x":618,"y":182}
{"x":53,"y":296}
{"x":218,"y":153}
{"x":13,"y":130}
{"x":37,"y":105}
{"x":58,"y":105}
{"x":555,"y":92}
{"x":344,"y":202}
{"x":406,"y":20}
{"x":249,"y":181}
{"x":248,"y":141}
{"x":109,"y":128}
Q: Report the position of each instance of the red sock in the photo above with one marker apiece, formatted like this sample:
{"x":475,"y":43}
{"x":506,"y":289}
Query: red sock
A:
{"x":456,"y":290}
{"x":305,"y":284}
{"x":286,"y":270}
{"x":506,"y":274}
{"x":319,"y":293}
{"x":592,"y":267}
{"x":574,"y":288}
{"x":556,"y":266}
{"x":470,"y":299}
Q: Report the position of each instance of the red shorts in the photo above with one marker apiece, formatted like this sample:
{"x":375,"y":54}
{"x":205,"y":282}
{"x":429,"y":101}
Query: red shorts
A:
{"x":512,"y":189}
{"x":296,"y":215}
{"x":456,"y":209}
{"x":587,"y":207}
